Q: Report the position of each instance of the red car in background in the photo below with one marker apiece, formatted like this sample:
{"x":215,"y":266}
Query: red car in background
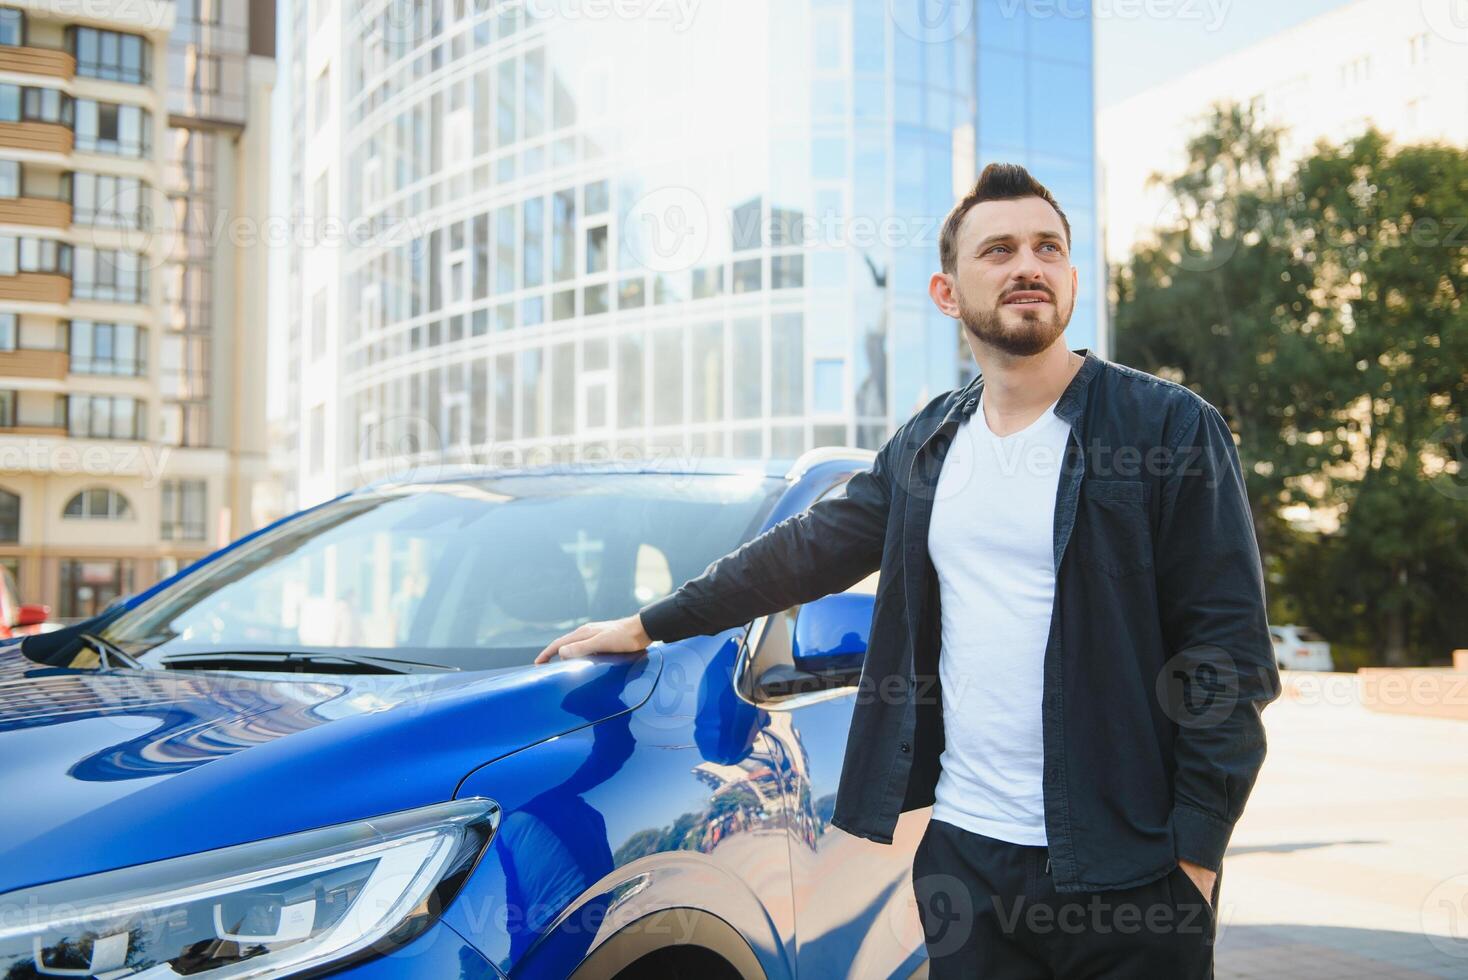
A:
{"x":18,"y":618}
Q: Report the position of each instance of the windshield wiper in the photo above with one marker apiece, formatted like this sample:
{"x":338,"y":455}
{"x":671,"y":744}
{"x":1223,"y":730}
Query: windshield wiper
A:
{"x":110,"y":654}
{"x":256,"y":659}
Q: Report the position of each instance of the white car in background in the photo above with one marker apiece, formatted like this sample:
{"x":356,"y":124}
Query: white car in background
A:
{"x":1300,"y":648}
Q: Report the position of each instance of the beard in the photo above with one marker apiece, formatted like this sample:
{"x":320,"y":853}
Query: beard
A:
{"x":1038,"y":327}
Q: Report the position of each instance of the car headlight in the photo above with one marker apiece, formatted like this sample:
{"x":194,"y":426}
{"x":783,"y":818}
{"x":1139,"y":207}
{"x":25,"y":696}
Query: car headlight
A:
{"x":283,"y":905}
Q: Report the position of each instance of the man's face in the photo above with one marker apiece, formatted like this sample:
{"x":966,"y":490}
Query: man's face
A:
{"x":1014,"y":287}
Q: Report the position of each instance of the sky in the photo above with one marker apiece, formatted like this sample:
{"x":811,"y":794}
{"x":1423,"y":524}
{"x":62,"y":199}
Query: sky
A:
{"x":1135,"y":51}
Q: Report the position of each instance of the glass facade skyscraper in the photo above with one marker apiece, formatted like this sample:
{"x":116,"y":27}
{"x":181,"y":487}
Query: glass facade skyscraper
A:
{"x":564,"y":230}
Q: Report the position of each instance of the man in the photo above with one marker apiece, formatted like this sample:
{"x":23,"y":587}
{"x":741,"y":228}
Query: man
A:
{"x":1067,"y":558}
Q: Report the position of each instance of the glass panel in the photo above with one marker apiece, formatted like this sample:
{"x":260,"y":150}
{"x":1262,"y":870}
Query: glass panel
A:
{"x":530,"y":558}
{"x":746,"y":368}
{"x":828,"y":377}
{"x":706,"y":357}
{"x":667,"y":376}
{"x":787,"y":364}
{"x":629,"y":381}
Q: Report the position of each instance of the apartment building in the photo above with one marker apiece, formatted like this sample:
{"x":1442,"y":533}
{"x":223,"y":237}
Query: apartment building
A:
{"x":118,"y":459}
{"x":1402,"y":68}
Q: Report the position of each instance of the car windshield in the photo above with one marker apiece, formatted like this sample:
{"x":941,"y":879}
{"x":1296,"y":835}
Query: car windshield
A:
{"x":470,"y":574}
{"x":1308,"y":635}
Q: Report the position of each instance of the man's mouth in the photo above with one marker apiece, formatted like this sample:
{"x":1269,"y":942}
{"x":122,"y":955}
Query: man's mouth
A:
{"x":1026,"y":298}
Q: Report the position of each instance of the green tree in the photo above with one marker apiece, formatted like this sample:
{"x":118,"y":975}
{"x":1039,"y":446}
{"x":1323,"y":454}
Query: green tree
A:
{"x":1322,"y":309}
{"x":1387,"y":232}
{"x":1221,"y":303}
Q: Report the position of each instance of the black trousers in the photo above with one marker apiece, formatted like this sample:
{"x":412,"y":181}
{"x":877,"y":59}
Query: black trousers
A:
{"x":990,"y":909}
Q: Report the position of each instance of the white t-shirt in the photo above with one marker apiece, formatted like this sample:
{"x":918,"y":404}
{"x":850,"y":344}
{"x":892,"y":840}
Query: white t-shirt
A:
{"x":992,"y":544}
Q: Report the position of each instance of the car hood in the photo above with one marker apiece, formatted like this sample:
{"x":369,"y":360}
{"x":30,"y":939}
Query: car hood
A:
{"x":100,"y":769}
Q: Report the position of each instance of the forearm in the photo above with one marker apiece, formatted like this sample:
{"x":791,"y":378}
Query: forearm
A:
{"x":833,"y":544}
{"x":826,"y":549}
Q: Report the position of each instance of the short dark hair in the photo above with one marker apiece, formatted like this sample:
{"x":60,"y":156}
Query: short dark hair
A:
{"x":998,"y":182}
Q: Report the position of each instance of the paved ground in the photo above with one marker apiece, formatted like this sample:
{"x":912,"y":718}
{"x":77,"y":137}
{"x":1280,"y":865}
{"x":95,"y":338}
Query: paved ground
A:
{"x":1352,"y":857}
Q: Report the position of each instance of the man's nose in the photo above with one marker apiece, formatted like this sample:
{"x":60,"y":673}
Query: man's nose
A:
{"x":1028,"y":268}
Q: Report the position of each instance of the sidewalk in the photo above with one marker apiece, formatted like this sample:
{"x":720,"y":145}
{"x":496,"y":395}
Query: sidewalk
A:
{"x":1352,"y":856}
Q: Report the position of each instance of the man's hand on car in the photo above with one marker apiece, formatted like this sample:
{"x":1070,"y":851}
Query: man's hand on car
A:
{"x":624,"y":635}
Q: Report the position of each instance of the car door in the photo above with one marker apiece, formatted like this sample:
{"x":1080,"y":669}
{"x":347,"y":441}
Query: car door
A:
{"x":853,"y":900}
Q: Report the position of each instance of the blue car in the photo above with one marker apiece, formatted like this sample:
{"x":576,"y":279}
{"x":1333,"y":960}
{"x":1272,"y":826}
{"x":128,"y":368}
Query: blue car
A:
{"x":326,"y":749}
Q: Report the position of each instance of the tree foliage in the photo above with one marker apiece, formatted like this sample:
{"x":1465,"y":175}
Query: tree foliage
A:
{"x":1321,"y":307}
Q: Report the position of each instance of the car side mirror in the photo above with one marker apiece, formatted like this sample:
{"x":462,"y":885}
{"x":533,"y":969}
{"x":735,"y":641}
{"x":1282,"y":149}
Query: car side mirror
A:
{"x":32,"y":614}
{"x":831,"y":634}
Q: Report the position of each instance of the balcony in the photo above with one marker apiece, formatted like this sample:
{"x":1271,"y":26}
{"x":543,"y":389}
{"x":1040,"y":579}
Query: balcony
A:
{"x":39,"y":137}
{"x":35,"y":287}
{"x":42,"y":212}
{"x":24,"y":429}
{"x":28,"y":413}
{"x":49,"y":365}
{"x":49,"y":62}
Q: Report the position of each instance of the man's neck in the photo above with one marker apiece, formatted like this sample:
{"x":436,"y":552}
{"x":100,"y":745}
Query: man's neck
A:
{"x":1018,"y":389}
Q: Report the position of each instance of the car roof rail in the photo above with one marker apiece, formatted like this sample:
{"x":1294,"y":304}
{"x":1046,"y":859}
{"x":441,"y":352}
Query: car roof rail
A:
{"x":826,"y":454}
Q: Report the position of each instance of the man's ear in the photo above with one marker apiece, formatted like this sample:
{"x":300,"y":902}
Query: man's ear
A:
{"x":940,"y":288}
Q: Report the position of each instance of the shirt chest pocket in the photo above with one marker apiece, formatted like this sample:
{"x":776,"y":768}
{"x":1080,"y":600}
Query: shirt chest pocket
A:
{"x":1113,"y":532}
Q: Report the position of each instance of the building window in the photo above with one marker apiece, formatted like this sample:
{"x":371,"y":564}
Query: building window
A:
{"x":108,"y":201}
{"x":1357,"y":71}
{"x":787,"y":271}
{"x":322,"y":90}
{"x":318,"y":440}
{"x":109,"y":55}
{"x":98,"y":504}
{"x":9,"y":327}
{"x":787,"y":364}
{"x":9,"y":178}
{"x":828,"y":376}
{"x":199,"y":11}
{"x":183,"y":510}
{"x":107,"y":348}
{"x":45,"y":255}
{"x":206,"y":74}
{"x":34,"y":255}
{"x":7,"y":409}
{"x":12,"y":27}
{"x":120,"y":130}
{"x":747,"y":275}
{"x":109,"y":275}
{"x":9,"y":517}
{"x":318,"y":325}
{"x":28,"y":104}
{"x":88,"y":587}
{"x":1417,"y":49}
{"x":104,"y":417}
